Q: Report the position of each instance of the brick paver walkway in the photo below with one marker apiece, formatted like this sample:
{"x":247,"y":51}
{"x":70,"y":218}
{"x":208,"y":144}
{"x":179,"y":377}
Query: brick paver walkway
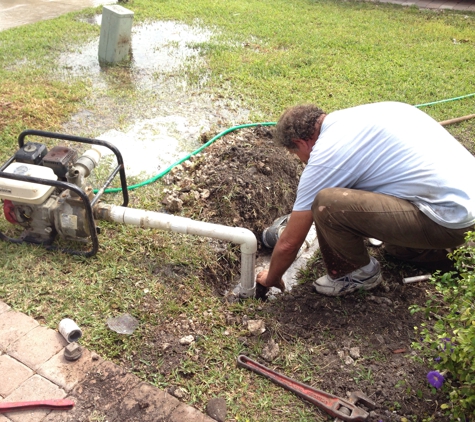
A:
{"x":32,"y":367}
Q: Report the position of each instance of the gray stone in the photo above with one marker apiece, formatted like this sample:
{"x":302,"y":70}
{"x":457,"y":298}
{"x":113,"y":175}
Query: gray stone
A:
{"x":355,"y":352}
{"x":349,"y":360}
{"x":187,"y":340}
{"x":270,"y":351}
{"x":216,"y":409}
{"x":256,"y":327}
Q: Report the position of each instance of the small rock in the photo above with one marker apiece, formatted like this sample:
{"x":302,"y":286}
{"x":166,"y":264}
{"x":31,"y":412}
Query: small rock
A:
{"x":187,"y":164}
{"x":216,"y":409}
{"x":187,"y":340}
{"x":94,"y":356}
{"x":256,"y":326}
{"x":270,"y":351}
{"x":167,"y":200}
{"x":175,"y":205}
{"x":341,"y":354}
{"x":355,"y":352}
{"x":166,"y":346}
{"x":179,"y":393}
{"x":349,"y":360}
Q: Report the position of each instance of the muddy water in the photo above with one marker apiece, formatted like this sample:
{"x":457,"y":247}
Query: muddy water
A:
{"x":15,"y":13}
{"x":161,"y":115}
{"x":161,"y":119}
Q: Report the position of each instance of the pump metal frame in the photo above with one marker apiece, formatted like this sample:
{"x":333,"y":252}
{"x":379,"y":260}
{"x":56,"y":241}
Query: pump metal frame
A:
{"x":88,"y":204}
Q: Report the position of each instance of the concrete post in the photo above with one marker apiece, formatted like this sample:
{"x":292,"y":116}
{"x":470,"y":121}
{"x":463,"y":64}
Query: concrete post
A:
{"x":115,"y":38}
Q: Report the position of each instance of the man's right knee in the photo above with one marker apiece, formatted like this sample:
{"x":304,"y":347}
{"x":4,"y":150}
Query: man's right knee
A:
{"x":321,"y":203}
{"x":324,"y":197}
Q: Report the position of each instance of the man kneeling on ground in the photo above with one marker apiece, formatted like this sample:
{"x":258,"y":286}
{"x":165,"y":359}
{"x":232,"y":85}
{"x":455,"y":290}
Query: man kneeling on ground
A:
{"x":386,"y":171}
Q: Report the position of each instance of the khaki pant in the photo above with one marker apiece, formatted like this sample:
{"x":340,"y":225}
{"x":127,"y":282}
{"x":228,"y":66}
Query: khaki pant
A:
{"x":345,"y":217}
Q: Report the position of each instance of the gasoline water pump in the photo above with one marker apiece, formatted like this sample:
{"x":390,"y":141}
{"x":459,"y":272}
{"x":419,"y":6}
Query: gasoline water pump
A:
{"x":47,"y":193}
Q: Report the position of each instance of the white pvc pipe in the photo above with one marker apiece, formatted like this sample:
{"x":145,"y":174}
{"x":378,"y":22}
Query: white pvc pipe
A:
{"x":161,"y":221}
{"x":416,"y":278}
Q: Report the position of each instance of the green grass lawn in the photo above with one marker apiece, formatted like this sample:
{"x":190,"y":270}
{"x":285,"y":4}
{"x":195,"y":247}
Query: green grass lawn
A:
{"x":267,"y":55}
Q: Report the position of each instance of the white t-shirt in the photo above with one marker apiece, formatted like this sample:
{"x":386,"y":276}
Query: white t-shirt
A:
{"x":394,"y":149}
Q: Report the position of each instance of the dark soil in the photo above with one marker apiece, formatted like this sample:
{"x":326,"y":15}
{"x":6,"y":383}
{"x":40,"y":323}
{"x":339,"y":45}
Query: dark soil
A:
{"x":365,"y":339}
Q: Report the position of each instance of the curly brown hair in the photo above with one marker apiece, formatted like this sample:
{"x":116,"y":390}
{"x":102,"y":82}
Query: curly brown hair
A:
{"x":297,"y":122}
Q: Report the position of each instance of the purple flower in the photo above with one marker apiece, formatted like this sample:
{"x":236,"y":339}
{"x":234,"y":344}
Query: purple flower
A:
{"x":438,"y":359}
{"x":435,"y":378}
{"x":446,"y":341}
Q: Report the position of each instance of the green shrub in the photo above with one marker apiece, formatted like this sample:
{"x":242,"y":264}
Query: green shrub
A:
{"x":451,"y":341}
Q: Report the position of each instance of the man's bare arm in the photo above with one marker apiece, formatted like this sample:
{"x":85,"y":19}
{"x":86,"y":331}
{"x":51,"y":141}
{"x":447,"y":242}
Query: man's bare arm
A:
{"x":286,"y":249}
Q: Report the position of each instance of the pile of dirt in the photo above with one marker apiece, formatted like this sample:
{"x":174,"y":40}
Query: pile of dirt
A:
{"x":241,"y":180}
{"x":365,"y":338}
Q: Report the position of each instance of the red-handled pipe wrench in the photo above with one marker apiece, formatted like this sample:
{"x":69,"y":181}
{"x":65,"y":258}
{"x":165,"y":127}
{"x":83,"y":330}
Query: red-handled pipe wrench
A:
{"x":61,"y":404}
{"x":346,"y":410}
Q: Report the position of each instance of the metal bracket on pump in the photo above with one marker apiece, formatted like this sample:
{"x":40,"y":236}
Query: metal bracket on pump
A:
{"x":46,"y":193}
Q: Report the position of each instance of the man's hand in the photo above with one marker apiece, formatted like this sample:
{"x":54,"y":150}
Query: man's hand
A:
{"x":261,"y":278}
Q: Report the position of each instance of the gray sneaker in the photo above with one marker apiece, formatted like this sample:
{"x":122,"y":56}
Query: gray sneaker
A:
{"x":349,"y":283}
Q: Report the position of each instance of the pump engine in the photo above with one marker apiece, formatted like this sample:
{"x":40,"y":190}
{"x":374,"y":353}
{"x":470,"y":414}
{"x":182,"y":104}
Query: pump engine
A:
{"x":48,"y":194}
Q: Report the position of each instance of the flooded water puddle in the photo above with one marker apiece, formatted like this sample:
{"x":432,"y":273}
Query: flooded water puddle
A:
{"x":151,"y":145}
{"x":161,"y":116}
{"x":158,"y":50}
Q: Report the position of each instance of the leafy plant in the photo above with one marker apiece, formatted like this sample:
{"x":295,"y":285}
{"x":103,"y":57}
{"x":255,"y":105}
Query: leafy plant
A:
{"x":451,"y":342}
